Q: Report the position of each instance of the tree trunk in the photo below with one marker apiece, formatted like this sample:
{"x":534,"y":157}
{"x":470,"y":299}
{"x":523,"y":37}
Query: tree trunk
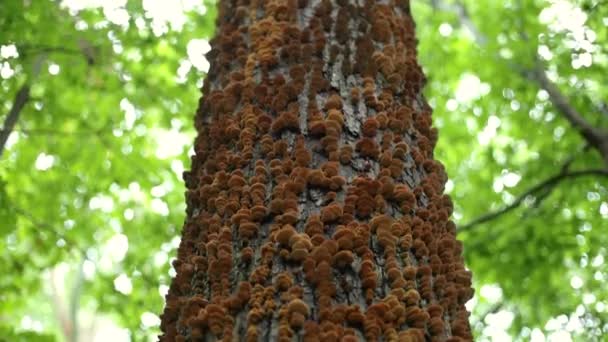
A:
{"x":315,"y":207}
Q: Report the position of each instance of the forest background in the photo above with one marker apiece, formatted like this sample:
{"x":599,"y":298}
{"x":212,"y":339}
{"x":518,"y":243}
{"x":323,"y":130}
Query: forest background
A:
{"x":97,"y":100}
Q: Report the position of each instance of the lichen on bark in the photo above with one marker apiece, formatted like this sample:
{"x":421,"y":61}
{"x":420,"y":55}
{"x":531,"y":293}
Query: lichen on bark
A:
{"x":315,"y":208}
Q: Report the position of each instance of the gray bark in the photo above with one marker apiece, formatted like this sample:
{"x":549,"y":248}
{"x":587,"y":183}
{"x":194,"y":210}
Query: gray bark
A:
{"x":315,"y":207}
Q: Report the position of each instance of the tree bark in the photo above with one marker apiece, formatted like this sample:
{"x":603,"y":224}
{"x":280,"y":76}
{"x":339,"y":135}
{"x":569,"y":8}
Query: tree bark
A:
{"x":315,"y":209}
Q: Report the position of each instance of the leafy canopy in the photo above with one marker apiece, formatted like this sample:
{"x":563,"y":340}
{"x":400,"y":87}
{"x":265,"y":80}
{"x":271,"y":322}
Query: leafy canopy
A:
{"x":91,"y":197}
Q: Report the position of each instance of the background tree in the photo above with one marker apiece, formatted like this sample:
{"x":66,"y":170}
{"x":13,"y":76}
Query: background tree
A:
{"x":501,"y":137}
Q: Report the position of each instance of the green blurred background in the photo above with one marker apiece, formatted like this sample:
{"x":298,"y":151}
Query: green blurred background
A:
{"x":91,"y":196}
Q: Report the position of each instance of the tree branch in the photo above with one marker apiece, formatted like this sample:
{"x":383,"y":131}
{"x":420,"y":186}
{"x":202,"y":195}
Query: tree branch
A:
{"x":21,"y":99}
{"x":43,"y":131}
{"x":47,"y":227}
{"x":549,"y":183}
{"x":29,"y":48}
{"x":543,"y":194}
{"x":603,"y":108}
{"x":85,"y":49}
{"x":594,"y":136}
{"x":492,"y":310}
{"x":463,"y":15}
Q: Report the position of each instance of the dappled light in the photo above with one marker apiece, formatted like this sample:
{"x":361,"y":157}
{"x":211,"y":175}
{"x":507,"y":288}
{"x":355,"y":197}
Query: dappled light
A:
{"x":98,"y":101}
{"x":519,"y":186}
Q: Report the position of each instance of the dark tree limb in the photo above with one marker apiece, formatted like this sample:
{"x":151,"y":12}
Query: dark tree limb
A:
{"x":594,"y":136}
{"x":21,"y":99}
{"x":491,"y":310}
{"x":544,"y":194}
{"x":549,"y":183}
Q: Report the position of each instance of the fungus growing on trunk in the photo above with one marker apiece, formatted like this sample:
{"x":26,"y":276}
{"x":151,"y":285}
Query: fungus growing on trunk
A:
{"x":315,"y":207}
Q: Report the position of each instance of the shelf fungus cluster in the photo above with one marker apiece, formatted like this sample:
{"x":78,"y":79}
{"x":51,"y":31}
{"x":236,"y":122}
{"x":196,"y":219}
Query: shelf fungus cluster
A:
{"x":315,"y":208}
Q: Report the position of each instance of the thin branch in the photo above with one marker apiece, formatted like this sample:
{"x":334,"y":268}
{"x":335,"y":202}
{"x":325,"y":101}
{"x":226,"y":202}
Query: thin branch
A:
{"x":594,"y":136}
{"x":548,"y":183}
{"x":463,"y":15}
{"x":23,"y":94}
{"x":47,"y":227}
{"x":21,"y":99}
{"x":543,"y":194}
{"x":43,"y":131}
{"x":85,"y":49}
{"x":492,"y":310}
{"x":563,"y":170}
{"x":29,"y":48}
{"x":480,"y":39}
{"x":603,"y":108}
{"x":566,"y":165}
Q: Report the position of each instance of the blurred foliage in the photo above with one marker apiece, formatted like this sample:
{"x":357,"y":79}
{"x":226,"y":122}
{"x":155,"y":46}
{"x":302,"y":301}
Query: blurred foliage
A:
{"x":91,"y":196}
{"x":501,"y":135}
{"x":94,"y":164}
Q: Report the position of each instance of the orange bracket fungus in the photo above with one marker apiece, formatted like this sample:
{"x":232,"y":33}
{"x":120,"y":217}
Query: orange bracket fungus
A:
{"x":315,"y":208}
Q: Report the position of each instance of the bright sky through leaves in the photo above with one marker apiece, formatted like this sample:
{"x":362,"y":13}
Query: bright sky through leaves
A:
{"x":91,"y":174}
